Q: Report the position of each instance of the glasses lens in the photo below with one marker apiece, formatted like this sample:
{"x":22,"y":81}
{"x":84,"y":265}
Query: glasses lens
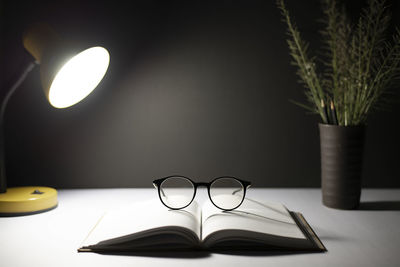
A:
{"x":176,"y":192}
{"x":227,"y":193}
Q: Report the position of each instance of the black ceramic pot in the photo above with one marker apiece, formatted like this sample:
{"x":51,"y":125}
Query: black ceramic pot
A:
{"x":341,"y":165}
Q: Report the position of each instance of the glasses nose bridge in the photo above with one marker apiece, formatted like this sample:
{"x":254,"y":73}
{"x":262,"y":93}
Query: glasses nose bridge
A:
{"x":201,"y":184}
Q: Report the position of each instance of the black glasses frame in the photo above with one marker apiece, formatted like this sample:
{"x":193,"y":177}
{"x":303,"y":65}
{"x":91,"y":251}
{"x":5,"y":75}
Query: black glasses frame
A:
{"x":157,"y":184}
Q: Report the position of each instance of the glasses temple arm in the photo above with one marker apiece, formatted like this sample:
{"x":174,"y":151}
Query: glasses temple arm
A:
{"x":238,"y":190}
{"x":161,"y":190}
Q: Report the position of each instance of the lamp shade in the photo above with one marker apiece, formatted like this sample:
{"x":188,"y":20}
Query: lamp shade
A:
{"x":67,"y":75}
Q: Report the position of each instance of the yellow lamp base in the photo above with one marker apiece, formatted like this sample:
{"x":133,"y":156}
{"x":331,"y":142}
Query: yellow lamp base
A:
{"x":27,"y":200}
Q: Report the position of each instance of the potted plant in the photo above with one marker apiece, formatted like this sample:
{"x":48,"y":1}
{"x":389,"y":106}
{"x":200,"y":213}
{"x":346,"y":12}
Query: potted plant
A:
{"x":358,"y":68}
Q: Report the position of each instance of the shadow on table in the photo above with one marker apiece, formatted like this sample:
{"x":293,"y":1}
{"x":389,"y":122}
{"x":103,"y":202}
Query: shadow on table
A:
{"x":193,"y":254}
{"x":380,"y":205}
{"x":254,"y":253}
{"x":187,"y":254}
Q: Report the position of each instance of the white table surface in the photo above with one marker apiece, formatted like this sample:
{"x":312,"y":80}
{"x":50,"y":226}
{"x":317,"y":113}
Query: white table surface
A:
{"x":366,"y":237}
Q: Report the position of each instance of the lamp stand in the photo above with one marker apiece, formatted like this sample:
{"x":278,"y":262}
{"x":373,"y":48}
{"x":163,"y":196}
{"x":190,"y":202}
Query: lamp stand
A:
{"x":27,"y":200}
{"x":21,"y":200}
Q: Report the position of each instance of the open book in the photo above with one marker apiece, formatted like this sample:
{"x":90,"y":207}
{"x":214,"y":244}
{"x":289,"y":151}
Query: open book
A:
{"x":150,"y":226}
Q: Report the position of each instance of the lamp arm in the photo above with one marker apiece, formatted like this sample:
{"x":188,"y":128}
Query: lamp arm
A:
{"x":28,"y":68}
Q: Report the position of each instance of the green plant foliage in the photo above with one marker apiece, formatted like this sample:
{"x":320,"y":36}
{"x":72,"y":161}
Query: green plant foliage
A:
{"x":359,"y":64}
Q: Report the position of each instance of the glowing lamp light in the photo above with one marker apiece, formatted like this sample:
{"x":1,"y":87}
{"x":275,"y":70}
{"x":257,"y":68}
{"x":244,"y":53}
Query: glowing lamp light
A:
{"x":78,"y":77}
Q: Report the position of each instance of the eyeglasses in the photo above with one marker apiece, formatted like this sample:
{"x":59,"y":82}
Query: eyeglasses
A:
{"x":177,"y":192}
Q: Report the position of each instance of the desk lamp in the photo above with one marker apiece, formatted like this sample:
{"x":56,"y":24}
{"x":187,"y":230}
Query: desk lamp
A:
{"x":67,"y":77}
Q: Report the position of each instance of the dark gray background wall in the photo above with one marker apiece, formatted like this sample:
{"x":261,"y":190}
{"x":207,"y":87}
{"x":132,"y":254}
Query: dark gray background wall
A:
{"x":199,"y":88}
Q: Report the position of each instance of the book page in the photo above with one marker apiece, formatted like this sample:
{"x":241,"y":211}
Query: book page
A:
{"x":140,"y":219}
{"x":267,"y":218}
